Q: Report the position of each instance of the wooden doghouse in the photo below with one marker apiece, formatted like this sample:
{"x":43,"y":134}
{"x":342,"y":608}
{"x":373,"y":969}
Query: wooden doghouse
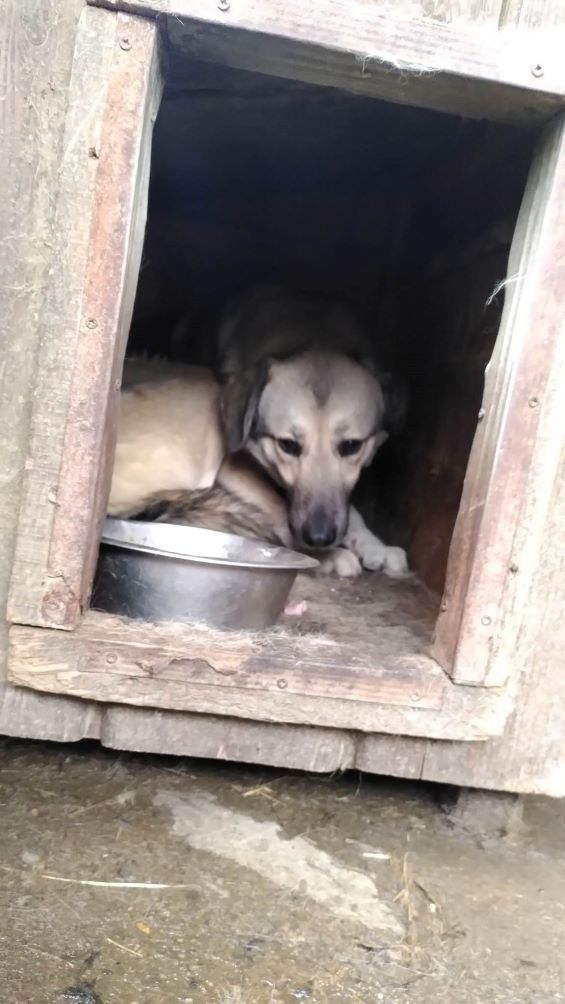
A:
{"x":414,"y":160}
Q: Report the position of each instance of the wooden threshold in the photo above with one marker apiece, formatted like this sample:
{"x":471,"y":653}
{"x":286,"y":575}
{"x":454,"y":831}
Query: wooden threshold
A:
{"x":512,"y":76}
{"x":357,"y":659}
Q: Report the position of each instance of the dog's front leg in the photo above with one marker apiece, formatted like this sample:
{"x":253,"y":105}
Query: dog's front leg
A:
{"x":371,"y":551}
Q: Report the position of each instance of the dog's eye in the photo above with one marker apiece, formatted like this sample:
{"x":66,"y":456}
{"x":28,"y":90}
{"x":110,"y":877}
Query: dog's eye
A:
{"x":348,"y":447}
{"x":290,"y":446}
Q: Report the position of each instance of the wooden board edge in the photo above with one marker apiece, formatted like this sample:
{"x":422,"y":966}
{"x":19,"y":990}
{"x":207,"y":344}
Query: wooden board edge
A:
{"x":50,"y":661}
{"x":50,"y":575}
{"x":515,"y":454}
{"x":477,"y":72}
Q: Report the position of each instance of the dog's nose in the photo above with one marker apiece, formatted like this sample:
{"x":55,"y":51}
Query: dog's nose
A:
{"x":319,"y":535}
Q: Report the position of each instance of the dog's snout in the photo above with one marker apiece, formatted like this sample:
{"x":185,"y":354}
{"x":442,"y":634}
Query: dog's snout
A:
{"x":319,"y":530}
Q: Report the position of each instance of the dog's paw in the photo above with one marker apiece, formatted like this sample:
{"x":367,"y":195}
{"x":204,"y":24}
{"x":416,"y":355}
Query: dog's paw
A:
{"x":377,"y":557}
{"x":341,"y":562}
{"x":396,"y":563}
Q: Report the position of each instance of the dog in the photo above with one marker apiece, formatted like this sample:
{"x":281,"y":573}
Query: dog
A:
{"x":303,"y":395}
{"x":303,"y":409}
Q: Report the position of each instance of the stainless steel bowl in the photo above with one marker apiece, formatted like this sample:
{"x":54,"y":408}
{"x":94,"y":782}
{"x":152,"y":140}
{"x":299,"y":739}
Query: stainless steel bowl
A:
{"x":161,"y":571}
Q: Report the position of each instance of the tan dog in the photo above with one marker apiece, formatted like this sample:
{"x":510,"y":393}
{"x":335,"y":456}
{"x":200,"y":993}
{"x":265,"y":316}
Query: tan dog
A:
{"x":295,"y":406}
{"x":302,"y":395}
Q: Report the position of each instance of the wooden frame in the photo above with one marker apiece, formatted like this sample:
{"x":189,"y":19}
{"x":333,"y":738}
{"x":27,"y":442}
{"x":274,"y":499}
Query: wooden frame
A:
{"x":114,"y":95}
{"x":477,"y":72}
{"x":270,"y":677}
{"x":515,"y":454}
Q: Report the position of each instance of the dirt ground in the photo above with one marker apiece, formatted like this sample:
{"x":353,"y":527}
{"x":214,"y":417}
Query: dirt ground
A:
{"x":137,"y":880}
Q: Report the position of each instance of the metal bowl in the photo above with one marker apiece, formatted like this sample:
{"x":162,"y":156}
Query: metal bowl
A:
{"x":163,"y":571}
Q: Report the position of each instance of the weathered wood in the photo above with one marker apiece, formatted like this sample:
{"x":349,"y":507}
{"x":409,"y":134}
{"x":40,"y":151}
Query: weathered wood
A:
{"x":516,"y":449}
{"x":36,"y":52}
{"x":530,"y":755}
{"x":459,"y":12}
{"x":434,"y":11}
{"x":292,"y":746}
{"x":478,"y":73}
{"x":268,"y":677}
{"x":99,"y":226}
{"x":396,"y":756}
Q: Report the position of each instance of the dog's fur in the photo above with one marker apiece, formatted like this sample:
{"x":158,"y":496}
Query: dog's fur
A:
{"x":215,"y":508}
{"x":292,"y":368}
{"x":169,"y":432}
{"x":170,"y":464}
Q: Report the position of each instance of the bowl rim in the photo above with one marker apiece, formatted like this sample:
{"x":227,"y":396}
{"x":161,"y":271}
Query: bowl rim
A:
{"x":291,"y":560}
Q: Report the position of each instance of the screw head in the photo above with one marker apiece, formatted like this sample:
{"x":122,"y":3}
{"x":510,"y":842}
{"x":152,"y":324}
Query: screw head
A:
{"x":486,"y":620}
{"x":537,"y":70}
{"x":282,"y":684}
{"x":223,"y":4}
{"x":533,"y":402}
{"x":125,"y":44}
{"x":91,"y":323}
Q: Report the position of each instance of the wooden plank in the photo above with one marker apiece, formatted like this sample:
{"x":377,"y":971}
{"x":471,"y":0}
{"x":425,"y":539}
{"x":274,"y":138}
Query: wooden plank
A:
{"x":516,"y":449}
{"x":294,"y":747}
{"x":530,"y":755}
{"x":395,"y":756}
{"x":115,"y":89}
{"x":436,"y":11}
{"x":477,"y":72}
{"x":36,"y":52}
{"x":183,"y":668}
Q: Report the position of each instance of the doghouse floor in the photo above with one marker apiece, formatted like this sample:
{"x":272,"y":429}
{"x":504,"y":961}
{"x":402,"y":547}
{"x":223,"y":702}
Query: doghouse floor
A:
{"x":379,"y":618}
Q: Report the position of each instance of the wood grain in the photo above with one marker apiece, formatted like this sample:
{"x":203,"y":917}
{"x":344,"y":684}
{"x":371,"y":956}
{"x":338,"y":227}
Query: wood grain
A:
{"x":36,"y":53}
{"x":477,"y":72}
{"x":99,"y":226}
{"x":350,"y":672}
{"x":294,"y":747}
{"x":515,"y":454}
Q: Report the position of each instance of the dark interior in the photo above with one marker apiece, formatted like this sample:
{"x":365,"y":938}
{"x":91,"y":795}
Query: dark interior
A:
{"x":406,"y":212}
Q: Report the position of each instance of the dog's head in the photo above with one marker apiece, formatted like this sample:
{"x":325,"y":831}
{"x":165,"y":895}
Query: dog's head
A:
{"x":313,"y":421}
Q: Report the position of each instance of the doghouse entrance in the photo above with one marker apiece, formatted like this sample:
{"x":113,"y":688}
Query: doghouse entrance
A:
{"x":408,"y":213}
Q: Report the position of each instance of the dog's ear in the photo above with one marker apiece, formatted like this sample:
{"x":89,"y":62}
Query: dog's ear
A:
{"x":240,"y":398}
{"x":396,"y":402}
